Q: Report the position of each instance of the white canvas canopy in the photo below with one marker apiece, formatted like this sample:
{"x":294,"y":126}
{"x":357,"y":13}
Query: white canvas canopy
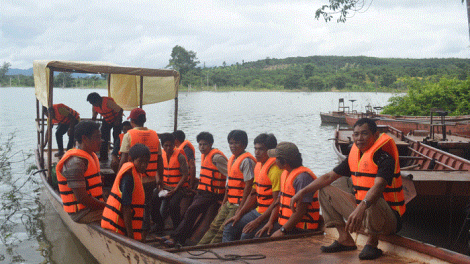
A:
{"x":130,"y":87}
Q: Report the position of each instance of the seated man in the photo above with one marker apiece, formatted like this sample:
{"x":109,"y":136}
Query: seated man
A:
{"x":378,"y":202}
{"x":124,"y":212}
{"x":66,"y":118}
{"x":78,"y":175}
{"x":256,"y":212}
{"x":240,"y":181}
{"x":210,"y":190}
{"x":174,"y":184}
{"x":112,"y":118}
{"x":182,"y":144}
{"x":294,"y":178}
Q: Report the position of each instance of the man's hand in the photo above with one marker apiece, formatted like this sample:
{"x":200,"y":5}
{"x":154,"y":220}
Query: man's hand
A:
{"x":251,"y":226}
{"x":354,"y":222}
{"x":170,"y":193}
{"x":295,"y":199}
{"x":267,"y":228}
{"x":233,"y":219}
{"x":278,"y":233}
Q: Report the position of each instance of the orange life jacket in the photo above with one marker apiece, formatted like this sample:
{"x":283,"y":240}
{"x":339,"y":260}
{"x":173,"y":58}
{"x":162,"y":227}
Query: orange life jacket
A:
{"x":112,"y":215}
{"x":61,"y":119}
{"x":92,"y":177}
{"x":236,"y":182}
{"x":150,"y":139}
{"x":184,"y":144}
{"x":121,"y":136}
{"x":263,"y":184}
{"x":210,"y":178}
{"x":107,"y":113}
{"x":310,"y":220}
{"x":171,"y":169}
{"x":364,"y":170}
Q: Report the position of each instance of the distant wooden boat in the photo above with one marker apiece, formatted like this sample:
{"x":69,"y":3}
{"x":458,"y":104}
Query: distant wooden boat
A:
{"x":110,"y":247}
{"x":459,"y":125}
{"x":337,"y":117}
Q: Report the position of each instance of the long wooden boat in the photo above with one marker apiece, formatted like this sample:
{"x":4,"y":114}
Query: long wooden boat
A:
{"x":337,"y":117}
{"x":452,"y":125}
{"x":110,"y":247}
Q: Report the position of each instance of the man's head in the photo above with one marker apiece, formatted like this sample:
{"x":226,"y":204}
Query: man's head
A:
{"x":139,"y":154}
{"x":179,"y":137}
{"x":205,"y":141}
{"x":137,"y":117}
{"x":286,"y":153}
{"x":364,"y":133}
{"x":94,"y":99}
{"x":264,"y":142}
{"x":88,"y":134}
{"x":49,"y":112}
{"x":126,"y":126}
{"x":237,"y":140}
{"x":168,"y":143}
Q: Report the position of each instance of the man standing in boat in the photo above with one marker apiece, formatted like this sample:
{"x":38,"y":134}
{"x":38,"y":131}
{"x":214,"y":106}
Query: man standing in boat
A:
{"x":79,"y":178}
{"x":154,"y":172}
{"x":378,"y":200}
{"x":66,"y":118}
{"x":112,"y":118}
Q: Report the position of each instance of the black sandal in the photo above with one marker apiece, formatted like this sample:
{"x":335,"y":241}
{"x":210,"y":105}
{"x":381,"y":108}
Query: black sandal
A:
{"x":370,"y":252}
{"x":337,"y":247}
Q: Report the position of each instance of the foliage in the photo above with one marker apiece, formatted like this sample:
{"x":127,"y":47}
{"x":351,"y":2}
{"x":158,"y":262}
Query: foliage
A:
{"x":451,"y":95}
{"x":182,"y":60}
{"x":341,"y":7}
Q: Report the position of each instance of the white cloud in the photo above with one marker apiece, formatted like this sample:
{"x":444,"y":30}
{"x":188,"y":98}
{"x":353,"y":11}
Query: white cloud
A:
{"x":142,"y":33}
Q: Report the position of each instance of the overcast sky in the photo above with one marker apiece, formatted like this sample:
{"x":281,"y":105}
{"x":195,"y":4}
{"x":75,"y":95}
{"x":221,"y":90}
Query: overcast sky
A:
{"x":143,"y":33}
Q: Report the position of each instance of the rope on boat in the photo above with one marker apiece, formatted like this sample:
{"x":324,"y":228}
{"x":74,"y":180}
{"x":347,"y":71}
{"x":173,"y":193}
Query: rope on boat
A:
{"x":232,"y":257}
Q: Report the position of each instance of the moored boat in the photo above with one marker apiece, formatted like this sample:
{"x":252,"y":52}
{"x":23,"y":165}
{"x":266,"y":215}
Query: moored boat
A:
{"x":339,"y":116}
{"x":109,"y":247}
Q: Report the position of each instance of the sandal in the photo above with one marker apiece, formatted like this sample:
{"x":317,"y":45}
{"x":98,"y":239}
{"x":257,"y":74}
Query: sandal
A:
{"x":370,"y":252}
{"x":337,"y":247}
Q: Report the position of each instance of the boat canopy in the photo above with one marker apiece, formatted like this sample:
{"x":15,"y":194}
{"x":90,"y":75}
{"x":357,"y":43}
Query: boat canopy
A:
{"x":130,"y":87}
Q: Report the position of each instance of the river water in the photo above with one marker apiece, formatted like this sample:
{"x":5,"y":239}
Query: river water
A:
{"x":31,"y":232}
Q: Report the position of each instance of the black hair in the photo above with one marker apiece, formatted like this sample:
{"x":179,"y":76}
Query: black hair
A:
{"x":268,"y":140}
{"x":125,"y":123}
{"x":166,"y":137}
{"x":179,"y":134}
{"x":238,"y":135}
{"x":139,"y":151}
{"x":370,"y":124}
{"x":93,"y":98}
{"x":85,"y":128}
{"x":206,"y":136}
{"x":140,"y":120}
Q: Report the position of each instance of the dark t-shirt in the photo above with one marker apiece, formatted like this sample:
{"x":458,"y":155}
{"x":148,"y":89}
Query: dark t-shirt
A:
{"x":189,"y":153}
{"x":384,"y":161}
{"x":300,"y":182}
{"x":127,"y":188}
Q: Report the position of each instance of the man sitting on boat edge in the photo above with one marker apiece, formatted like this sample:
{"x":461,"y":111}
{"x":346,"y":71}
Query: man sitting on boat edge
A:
{"x":378,"y":202}
{"x":79,"y":178}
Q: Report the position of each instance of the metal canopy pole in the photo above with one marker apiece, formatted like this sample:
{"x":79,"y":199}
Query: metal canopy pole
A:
{"x":176,"y":104}
{"x":49,"y":128}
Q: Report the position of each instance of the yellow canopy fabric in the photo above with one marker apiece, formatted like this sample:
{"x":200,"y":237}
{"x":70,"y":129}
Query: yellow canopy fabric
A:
{"x":124,"y":84}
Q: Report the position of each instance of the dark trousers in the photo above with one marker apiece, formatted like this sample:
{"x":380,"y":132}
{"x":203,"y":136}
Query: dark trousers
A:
{"x":166,"y":206}
{"x":201,"y":203}
{"x":105,"y":137}
{"x":61,"y":130}
{"x":148,"y":190}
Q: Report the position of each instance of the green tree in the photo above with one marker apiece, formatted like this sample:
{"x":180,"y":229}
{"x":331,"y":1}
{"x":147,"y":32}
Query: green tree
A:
{"x":315,"y":83}
{"x":4,"y":69}
{"x":308,"y":71}
{"x":387,"y":79}
{"x":292,"y":81}
{"x":63,"y":79}
{"x":182,"y":60}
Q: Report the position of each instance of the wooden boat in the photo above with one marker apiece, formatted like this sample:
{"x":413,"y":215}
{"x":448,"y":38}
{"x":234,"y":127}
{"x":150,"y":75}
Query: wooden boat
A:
{"x":459,"y":125}
{"x":337,"y":117}
{"x":110,"y":247}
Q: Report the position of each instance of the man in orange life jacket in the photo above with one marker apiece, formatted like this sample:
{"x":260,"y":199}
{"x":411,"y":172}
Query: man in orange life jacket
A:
{"x":66,"y":118}
{"x":240,"y":181}
{"x":378,"y":201}
{"x":78,"y":175}
{"x":112,"y":118}
{"x":184,"y":145}
{"x":154,"y":172}
{"x":210,"y":190}
{"x":166,"y":199}
{"x":124,"y":212}
{"x":293,"y":179}
{"x":256,"y":212}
